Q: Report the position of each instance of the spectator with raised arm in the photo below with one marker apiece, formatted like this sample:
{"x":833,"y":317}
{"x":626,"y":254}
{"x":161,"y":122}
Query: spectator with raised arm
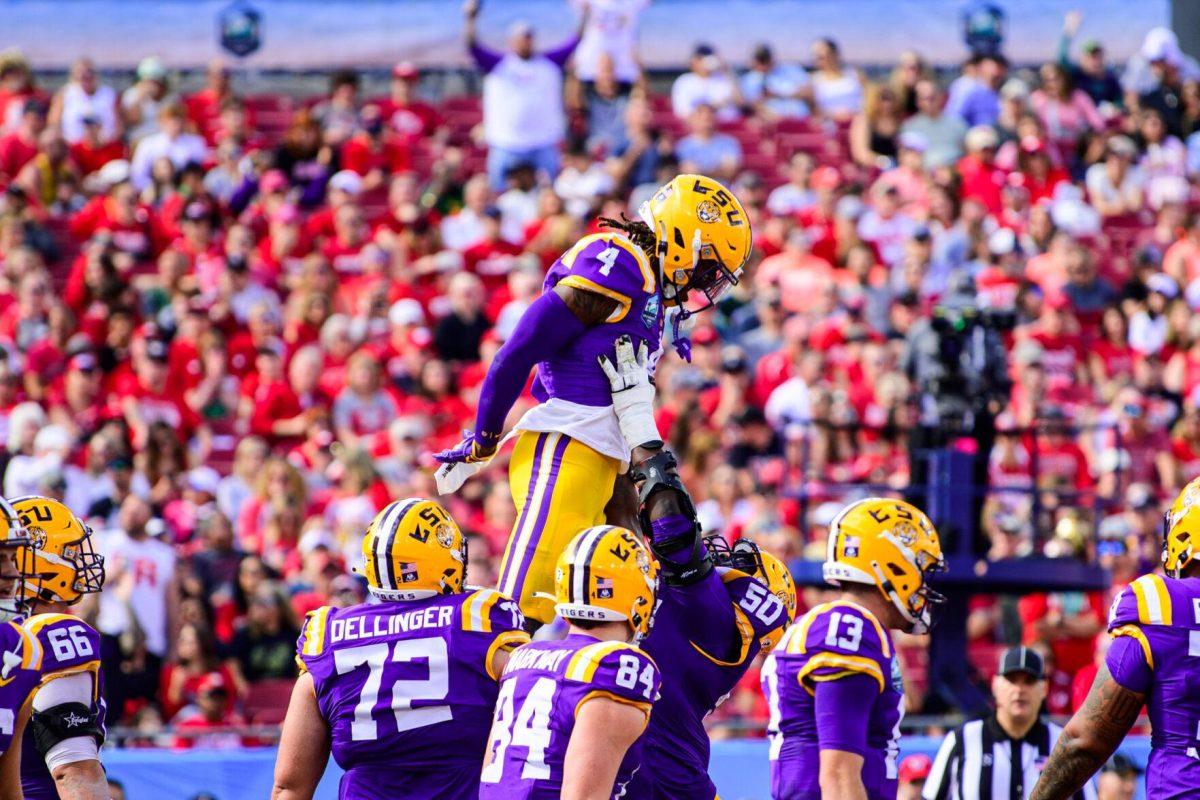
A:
{"x":1091,"y":74}
{"x":523,"y":117}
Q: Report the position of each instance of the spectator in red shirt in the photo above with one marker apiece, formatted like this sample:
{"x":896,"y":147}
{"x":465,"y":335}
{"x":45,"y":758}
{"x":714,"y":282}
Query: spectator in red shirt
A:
{"x":20,"y":146}
{"x":408,"y":117}
{"x":150,"y":400}
{"x":981,"y":178}
{"x":364,"y":408}
{"x":204,"y":107}
{"x":492,"y":258}
{"x":1068,"y":621}
{"x":1037,"y":173}
{"x":212,"y":711}
{"x":92,"y":152}
{"x":195,"y":664}
{"x":351,"y":234}
{"x":135,"y":228}
{"x":343,"y":190}
{"x":374,"y":152}
{"x":1109,"y":355}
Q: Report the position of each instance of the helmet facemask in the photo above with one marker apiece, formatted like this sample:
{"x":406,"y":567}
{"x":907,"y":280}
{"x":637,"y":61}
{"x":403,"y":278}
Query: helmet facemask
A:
{"x":923,"y":608}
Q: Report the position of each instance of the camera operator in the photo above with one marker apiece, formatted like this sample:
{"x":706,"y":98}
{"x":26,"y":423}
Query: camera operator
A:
{"x":956,"y":361}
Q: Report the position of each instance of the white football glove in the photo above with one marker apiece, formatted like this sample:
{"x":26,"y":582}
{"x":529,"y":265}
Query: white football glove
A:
{"x":632,"y":394}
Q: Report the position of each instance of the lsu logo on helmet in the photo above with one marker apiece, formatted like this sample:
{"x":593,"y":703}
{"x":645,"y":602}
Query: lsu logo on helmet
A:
{"x":606,"y":574}
{"x":412,"y":550}
{"x":893,"y":546}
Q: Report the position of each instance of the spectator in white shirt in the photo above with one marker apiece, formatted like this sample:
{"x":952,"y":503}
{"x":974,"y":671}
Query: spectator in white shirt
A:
{"x":464,"y":227}
{"x":837,"y":90}
{"x":582,"y":181}
{"x":523,"y":117}
{"x":708,"y":83}
{"x":611,"y":30}
{"x":83,"y":97}
{"x":705,"y":151}
{"x":142,"y":101}
{"x":943,"y":132}
{"x":776,"y":90}
{"x":885,"y":226}
{"x":171,"y":142}
{"x":1115,"y":185}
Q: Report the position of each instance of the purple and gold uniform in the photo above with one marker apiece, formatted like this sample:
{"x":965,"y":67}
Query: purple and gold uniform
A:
{"x":543,"y":687}
{"x":710,"y":633}
{"x":69,"y":646}
{"x":570,"y":447}
{"x":832,"y":642}
{"x":20,"y":674}
{"x":407,"y":690}
{"x":1155,"y":623}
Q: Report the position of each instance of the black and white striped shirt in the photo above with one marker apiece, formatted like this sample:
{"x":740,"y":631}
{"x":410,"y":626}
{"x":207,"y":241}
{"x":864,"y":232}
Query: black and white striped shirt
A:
{"x":979,"y":761}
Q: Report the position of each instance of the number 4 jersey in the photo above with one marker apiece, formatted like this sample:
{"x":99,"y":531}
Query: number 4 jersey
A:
{"x":408,"y":691}
{"x":69,"y":647}
{"x":832,"y":641}
{"x":543,"y":687}
{"x":1155,"y":623}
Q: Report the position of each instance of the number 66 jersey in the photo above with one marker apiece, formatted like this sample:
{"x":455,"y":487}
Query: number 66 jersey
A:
{"x":543,"y":687}
{"x":407,"y":690}
{"x":832,"y":641}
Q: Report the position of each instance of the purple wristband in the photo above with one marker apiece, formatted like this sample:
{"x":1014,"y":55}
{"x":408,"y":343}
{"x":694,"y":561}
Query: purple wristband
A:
{"x":842,"y":715}
{"x":674,"y":526}
{"x":545,"y":328}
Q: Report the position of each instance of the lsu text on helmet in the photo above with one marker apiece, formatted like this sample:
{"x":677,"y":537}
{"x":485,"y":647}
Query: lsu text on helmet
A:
{"x":606,"y":574}
{"x":413,"y":550}
{"x":702,"y":236}
{"x":60,"y":565}
{"x":893,"y":546}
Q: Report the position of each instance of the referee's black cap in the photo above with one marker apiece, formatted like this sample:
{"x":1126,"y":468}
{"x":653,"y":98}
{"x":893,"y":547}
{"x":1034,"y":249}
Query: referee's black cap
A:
{"x":1022,"y":659}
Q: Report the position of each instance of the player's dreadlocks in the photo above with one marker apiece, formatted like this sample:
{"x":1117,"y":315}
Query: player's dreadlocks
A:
{"x":638,"y":232}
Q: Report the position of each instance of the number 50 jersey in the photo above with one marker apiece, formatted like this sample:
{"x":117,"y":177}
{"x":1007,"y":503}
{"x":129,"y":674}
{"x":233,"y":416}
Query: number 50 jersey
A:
{"x":407,"y":690}
{"x":543,"y":687}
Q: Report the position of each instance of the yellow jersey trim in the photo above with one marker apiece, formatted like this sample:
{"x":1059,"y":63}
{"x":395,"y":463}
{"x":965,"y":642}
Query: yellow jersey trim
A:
{"x":477,"y":611}
{"x":1134,"y":632}
{"x":1153,"y":600}
{"x":509,"y":640}
{"x":584,"y":663}
{"x":642,"y":706}
{"x":31,"y":650}
{"x":587,"y":285}
{"x":745,"y":631}
{"x":314,"y":631}
{"x":844,"y":663}
{"x":36,"y":623}
{"x":649,"y":282}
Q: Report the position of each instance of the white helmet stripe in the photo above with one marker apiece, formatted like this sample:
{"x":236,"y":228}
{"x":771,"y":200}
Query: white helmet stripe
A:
{"x":385,"y":536}
{"x":583,"y":557}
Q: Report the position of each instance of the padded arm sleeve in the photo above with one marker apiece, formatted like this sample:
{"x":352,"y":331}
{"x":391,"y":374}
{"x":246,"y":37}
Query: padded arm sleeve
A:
{"x":547,"y":326}
{"x":65,"y":719}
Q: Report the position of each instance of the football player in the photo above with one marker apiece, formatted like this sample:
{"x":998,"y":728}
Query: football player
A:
{"x":1155,"y":623}
{"x":61,"y":753}
{"x":571,"y":712}
{"x":689,"y":246}
{"x":20,"y":653}
{"x":720,"y":606}
{"x":402,"y":690}
{"x":833,"y":684}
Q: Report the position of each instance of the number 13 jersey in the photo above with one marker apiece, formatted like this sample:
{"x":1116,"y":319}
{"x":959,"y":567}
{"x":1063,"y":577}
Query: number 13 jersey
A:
{"x":407,"y":690}
{"x":543,"y":687}
{"x":832,"y":641}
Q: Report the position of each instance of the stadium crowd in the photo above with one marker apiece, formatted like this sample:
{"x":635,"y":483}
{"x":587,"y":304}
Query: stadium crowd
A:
{"x":236,"y":325}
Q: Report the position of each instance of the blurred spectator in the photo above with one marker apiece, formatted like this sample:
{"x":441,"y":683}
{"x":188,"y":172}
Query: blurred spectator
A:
{"x":211,"y":710}
{"x":943,"y":131}
{"x":1118,"y":779}
{"x":523,"y":116}
{"x":706,"y":151}
{"x":583,"y":182}
{"x":1092,"y":75}
{"x":774,"y":90}
{"x":204,"y":107}
{"x":407,"y":115}
{"x":837,"y":90}
{"x":974,"y":95}
{"x":337,"y":114}
{"x":708,"y":82}
{"x":874,"y":131}
{"x":914,"y":771}
{"x":265,"y":645}
{"x":142,"y":101}
{"x":84,"y":97}
{"x":172,"y":142}
{"x":1116,"y":185}
{"x":609,"y":33}
{"x":458,"y":333}
{"x":374,"y":151}
{"x":195,"y":660}
{"x":20,"y":145}
{"x":1067,"y":113}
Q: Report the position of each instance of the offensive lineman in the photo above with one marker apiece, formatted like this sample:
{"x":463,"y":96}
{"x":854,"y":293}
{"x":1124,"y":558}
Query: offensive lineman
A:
{"x":1154,"y":622}
{"x":401,"y":691}
{"x":60,"y":757}
{"x":693,"y":238}
{"x":571,"y":713}
{"x":833,"y":685}
{"x":20,"y":653}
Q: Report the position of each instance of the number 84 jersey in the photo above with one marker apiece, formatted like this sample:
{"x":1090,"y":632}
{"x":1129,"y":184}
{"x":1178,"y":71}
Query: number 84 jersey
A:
{"x":543,"y":687}
{"x":832,"y":641}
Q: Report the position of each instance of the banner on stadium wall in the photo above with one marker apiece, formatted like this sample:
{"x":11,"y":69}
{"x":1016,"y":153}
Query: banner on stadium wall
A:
{"x":318,"y":34}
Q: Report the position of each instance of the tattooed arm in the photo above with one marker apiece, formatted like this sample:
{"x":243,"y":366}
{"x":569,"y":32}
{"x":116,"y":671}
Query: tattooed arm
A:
{"x":1091,"y":736}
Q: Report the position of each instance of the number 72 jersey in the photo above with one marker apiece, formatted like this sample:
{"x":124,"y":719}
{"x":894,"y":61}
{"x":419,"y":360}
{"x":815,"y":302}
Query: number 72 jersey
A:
{"x":543,"y":687}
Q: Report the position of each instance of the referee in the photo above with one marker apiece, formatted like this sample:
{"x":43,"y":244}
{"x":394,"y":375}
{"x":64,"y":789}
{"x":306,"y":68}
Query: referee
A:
{"x":1000,"y":756}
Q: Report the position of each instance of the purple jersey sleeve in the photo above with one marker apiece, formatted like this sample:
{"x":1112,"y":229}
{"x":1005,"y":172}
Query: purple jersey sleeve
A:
{"x":560,"y":54}
{"x":68,"y":643}
{"x":842,"y":717}
{"x":1126,"y":661}
{"x":839,"y":640}
{"x":1124,"y":610}
{"x":610,"y":265}
{"x":619,"y":671}
{"x":763,"y":612}
{"x":497,"y":620}
{"x":485,"y":58}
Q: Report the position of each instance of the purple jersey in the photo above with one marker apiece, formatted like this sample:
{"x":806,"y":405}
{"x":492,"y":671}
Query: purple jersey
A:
{"x":69,"y":645}
{"x":543,"y":686}
{"x":407,"y":690}
{"x":611,"y":265}
{"x":20,"y":674}
{"x":832,"y":641}
{"x":709,"y":633}
{"x":1163,"y":616}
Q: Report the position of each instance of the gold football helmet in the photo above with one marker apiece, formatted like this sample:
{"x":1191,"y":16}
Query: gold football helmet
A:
{"x":1181,"y":532}
{"x":702,"y":237}
{"x":412,"y":550}
{"x":13,"y":544}
{"x":606,"y":574}
{"x":891,"y":545}
{"x":779,"y":580}
{"x":60,"y":565}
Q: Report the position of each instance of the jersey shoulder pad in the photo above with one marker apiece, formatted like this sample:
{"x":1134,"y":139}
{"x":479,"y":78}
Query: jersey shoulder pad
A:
{"x":1146,"y":601}
{"x":762,"y":610}
{"x":611,"y":265}
{"x":838,"y":639}
{"x":489,"y":611}
{"x":68,"y":643}
{"x":314,"y":634}
{"x":616,"y":669}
